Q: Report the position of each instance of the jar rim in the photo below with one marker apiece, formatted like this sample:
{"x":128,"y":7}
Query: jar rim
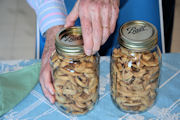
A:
{"x":138,"y":35}
{"x":69,"y":41}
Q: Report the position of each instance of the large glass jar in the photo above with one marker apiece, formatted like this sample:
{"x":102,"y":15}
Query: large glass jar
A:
{"x":135,"y":67}
{"x":75,"y":75}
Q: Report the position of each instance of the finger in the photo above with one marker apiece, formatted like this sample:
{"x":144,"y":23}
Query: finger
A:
{"x":73,"y":16}
{"x":47,"y":79}
{"x":46,"y":92}
{"x":115,"y":14}
{"x":46,"y":84}
{"x":87,"y":36}
{"x":106,"y":16}
{"x":96,"y":26}
{"x":87,"y":33}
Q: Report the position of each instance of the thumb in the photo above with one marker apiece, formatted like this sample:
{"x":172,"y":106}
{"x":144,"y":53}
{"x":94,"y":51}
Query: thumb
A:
{"x":73,"y":16}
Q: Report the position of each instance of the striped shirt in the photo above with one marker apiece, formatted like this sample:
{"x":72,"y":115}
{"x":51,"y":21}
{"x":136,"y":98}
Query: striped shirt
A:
{"x":49,"y":13}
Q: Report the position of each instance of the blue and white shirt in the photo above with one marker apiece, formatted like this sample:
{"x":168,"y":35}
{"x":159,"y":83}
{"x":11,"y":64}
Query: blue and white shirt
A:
{"x":49,"y":13}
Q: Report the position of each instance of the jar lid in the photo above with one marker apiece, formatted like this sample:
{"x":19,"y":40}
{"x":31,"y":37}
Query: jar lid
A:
{"x":69,"y":41}
{"x":138,"y":35}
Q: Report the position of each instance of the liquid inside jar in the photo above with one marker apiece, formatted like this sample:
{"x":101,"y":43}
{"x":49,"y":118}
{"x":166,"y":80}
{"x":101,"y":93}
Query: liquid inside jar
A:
{"x":134,"y":78}
{"x":76,"y":81}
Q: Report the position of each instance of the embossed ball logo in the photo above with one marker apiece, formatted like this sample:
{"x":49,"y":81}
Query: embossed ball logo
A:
{"x":72,"y":39}
{"x":135,"y":29}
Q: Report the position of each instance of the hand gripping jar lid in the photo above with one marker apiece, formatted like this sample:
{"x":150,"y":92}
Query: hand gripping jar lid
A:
{"x":69,"y":41}
{"x":138,"y":35}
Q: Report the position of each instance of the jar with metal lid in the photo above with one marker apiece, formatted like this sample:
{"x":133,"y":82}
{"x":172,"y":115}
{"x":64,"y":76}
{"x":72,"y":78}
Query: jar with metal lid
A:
{"x":135,"y":67}
{"x":75,"y":75}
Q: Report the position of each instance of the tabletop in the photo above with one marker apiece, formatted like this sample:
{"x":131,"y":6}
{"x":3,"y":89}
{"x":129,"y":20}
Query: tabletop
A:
{"x":36,"y":107}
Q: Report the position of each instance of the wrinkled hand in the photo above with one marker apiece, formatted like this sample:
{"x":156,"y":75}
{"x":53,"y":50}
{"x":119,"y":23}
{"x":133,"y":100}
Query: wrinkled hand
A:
{"x":45,"y":73}
{"x":98,"y":20}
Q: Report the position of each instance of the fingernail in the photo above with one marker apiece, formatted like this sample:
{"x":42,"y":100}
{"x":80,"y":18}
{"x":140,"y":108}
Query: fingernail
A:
{"x":51,"y":101}
{"x":88,"y":52}
{"x":51,"y":91}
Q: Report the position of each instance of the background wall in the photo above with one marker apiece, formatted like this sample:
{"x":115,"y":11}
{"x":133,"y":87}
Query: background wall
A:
{"x":175,"y":47}
{"x":17,"y":30}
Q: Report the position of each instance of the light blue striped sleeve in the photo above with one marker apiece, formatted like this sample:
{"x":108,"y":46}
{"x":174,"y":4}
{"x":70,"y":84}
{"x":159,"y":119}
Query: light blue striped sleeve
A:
{"x":49,"y":13}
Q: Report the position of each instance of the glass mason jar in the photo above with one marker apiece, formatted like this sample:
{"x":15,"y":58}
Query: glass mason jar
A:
{"x":75,"y":75}
{"x":135,"y":67}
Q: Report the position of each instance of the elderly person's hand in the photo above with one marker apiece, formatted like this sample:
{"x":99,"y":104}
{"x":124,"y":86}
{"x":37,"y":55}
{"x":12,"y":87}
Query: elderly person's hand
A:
{"x":98,"y":20}
{"x":45,"y":74}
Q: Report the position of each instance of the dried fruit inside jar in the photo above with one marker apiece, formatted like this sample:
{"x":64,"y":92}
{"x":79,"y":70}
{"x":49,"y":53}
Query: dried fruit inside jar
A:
{"x":76,"y":81}
{"x":135,"y":67}
{"x":75,"y":75}
{"x":134,"y":79}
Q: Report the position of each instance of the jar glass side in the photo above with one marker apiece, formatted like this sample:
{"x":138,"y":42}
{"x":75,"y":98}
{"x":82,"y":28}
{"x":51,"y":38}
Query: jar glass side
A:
{"x":135,"y":78}
{"x":76,"y":82}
